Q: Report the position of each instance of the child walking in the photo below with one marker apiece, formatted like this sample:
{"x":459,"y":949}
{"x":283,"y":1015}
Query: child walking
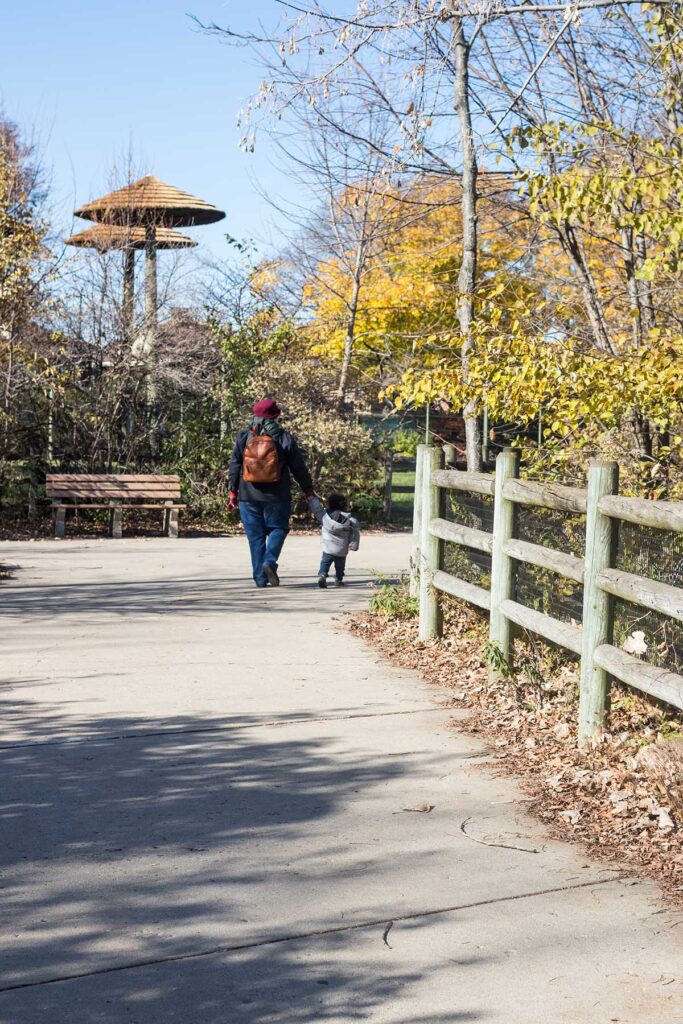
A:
{"x":340,"y":534}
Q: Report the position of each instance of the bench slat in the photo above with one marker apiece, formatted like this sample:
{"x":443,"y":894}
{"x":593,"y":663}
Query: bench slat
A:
{"x":135,"y":485}
{"x":100,"y":486}
{"x":113,"y":477}
{"x":104,"y":496}
{"x":132,"y":491}
{"x":116,"y":499}
{"x":82,"y":504}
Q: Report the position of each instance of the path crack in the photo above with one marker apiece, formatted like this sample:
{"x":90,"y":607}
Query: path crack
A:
{"x":92,"y":738}
{"x":299,"y":936}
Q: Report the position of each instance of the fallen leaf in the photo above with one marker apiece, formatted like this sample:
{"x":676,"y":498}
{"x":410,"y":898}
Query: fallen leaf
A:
{"x":665,"y":820}
{"x":635,"y":643}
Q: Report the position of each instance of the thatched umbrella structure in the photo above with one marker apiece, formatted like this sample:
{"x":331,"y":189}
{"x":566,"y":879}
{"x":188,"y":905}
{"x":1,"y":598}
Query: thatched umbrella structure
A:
{"x":106,"y":237}
{"x":151,"y":205}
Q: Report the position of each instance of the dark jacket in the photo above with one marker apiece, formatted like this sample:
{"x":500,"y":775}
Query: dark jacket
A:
{"x":291,"y":464}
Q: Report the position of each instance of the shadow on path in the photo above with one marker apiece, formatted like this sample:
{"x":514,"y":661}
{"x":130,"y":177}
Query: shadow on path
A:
{"x":189,"y":596}
{"x":119,"y":853}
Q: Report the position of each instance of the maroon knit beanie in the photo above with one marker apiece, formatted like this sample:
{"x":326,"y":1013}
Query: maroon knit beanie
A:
{"x":266,"y":409}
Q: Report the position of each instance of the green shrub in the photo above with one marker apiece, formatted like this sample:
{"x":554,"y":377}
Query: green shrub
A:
{"x":405,"y":442}
{"x":367,"y":506}
{"x":394,"y":601}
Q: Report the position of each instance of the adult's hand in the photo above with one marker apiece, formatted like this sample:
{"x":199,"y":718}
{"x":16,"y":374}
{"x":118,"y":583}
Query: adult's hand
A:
{"x":233,"y":502}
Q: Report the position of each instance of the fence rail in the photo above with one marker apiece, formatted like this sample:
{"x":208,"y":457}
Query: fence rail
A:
{"x":602,"y":582}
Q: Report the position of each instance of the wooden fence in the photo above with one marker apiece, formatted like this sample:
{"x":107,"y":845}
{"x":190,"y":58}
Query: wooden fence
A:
{"x":602,"y":582}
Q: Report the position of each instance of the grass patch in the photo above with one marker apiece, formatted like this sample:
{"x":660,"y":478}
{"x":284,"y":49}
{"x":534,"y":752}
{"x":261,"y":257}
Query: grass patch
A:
{"x":394,"y":601}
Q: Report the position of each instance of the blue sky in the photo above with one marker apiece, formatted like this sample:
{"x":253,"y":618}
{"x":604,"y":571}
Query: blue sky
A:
{"x":91,"y":78}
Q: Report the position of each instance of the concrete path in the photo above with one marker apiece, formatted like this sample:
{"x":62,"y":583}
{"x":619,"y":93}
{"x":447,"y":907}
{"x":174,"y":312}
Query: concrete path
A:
{"x":205,"y":801}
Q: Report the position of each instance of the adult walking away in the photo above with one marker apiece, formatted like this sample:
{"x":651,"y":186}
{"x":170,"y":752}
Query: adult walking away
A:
{"x":264,"y":459}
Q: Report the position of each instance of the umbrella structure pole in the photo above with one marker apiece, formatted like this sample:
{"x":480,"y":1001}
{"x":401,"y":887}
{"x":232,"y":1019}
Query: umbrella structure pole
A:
{"x":151,"y":280}
{"x":150,"y":328}
{"x":128,"y":290}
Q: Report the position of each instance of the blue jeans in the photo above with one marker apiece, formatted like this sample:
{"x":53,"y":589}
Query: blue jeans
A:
{"x":266,"y":525}
{"x":326,"y":563}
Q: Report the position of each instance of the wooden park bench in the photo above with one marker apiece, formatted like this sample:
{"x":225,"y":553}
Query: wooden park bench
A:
{"x":115,"y":492}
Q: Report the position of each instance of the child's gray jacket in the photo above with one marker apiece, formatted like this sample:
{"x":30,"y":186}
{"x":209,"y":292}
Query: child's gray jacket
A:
{"x":340,"y":531}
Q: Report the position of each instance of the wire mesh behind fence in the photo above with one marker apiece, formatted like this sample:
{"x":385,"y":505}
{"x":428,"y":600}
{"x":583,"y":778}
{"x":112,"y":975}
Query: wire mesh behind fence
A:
{"x":475,"y":511}
{"x":645,"y":551}
{"x":657,"y":555}
{"x":541,"y":589}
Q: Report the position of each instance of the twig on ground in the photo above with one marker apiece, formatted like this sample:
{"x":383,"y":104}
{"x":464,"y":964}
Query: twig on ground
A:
{"x":482,"y":842}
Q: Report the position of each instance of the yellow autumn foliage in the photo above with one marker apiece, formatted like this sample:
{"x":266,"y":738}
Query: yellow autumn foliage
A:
{"x":408,"y":294}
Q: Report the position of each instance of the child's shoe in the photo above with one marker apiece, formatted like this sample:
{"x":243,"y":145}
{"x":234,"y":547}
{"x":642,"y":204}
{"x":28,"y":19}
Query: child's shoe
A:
{"x":322,"y":582}
{"x":339,"y":583}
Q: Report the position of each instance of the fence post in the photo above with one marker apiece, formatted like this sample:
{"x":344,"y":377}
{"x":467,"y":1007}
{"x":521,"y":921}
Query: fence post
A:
{"x":417,"y":523}
{"x":430,"y":547}
{"x":502,"y":566}
{"x":598,"y":606}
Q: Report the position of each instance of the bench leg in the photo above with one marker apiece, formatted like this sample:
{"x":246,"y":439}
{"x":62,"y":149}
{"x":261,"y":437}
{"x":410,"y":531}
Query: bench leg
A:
{"x":116,"y":523}
{"x":60,"y":522}
{"x":170,"y":522}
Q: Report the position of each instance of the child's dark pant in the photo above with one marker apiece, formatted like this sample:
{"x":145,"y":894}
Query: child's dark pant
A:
{"x":326,"y":563}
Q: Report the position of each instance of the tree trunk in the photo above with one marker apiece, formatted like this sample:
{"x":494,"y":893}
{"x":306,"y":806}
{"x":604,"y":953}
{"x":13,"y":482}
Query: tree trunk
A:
{"x":345,"y":371}
{"x":467,"y":277}
{"x":632,"y":284}
{"x":8,"y":386}
{"x":572,"y":247}
{"x":644,"y":287}
{"x":642,"y":441}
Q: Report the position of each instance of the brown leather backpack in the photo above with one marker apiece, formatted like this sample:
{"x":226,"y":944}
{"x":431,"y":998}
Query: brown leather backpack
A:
{"x":260,"y":462}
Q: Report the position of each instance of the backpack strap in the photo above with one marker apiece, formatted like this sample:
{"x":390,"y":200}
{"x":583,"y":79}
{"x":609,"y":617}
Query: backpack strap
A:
{"x":262,"y":431}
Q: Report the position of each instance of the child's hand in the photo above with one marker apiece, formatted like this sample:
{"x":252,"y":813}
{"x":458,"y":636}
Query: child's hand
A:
{"x":232,"y":502}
